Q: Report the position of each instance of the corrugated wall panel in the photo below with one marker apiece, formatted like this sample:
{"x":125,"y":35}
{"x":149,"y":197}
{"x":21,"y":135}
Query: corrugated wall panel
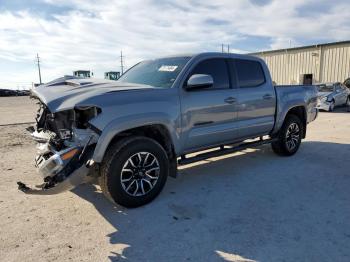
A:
{"x":347,"y":64}
{"x":283,"y":66}
{"x":332,"y":60}
{"x":325,"y":65}
{"x":341,"y":62}
{"x":293,"y":79}
{"x":287,"y":66}
{"x":336,"y":65}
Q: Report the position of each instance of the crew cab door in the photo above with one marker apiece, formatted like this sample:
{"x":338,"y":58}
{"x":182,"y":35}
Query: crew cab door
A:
{"x":256,"y":99}
{"x":209,"y":114}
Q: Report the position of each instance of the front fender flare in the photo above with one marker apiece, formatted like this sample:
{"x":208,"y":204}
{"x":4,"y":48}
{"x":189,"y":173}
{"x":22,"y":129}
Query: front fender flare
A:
{"x":125,"y":123}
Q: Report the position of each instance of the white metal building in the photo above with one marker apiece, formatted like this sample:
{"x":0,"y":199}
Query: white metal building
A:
{"x":309,"y":64}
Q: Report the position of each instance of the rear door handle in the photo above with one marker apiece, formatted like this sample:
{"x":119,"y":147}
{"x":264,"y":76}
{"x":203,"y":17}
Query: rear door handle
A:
{"x":230,"y":100}
{"x":267,"y":96}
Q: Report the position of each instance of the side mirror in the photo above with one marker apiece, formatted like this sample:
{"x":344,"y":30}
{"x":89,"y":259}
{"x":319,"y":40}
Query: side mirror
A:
{"x":199,"y":81}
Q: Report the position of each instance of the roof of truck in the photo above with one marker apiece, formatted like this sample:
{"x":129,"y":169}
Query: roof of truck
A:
{"x":220,"y":54}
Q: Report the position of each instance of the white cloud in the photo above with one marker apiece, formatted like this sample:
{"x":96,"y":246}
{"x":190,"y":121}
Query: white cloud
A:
{"x":91,"y":35}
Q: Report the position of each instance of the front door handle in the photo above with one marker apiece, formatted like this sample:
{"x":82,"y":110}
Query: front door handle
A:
{"x":230,"y":100}
{"x":267,"y":97}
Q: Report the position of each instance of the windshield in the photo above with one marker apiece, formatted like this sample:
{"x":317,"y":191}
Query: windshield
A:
{"x":159,"y":72}
{"x":324,"y":88}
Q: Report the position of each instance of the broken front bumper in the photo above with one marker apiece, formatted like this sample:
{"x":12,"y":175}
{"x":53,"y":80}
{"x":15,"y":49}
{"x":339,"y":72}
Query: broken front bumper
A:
{"x":78,"y":177}
{"x":61,"y":170}
{"x":323,"y":105}
{"x":50,"y":166}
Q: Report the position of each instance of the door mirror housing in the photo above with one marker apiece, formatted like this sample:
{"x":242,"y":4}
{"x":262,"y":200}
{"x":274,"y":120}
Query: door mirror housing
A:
{"x":199,"y":81}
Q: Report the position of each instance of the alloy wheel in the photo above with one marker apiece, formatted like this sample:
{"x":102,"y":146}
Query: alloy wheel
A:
{"x":292,"y":136}
{"x":140,"y":174}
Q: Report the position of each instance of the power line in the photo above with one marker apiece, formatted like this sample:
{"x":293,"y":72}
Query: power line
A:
{"x":121,"y":62}
{"x":38,"y":63}
{"x":222,"y":48}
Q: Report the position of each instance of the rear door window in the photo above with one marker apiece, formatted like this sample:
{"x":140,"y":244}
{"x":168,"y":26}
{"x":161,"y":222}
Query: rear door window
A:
{"x":249,"y":73}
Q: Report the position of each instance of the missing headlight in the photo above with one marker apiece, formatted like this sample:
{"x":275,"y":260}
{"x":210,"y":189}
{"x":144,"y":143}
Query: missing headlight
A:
{"x":83,"y":114}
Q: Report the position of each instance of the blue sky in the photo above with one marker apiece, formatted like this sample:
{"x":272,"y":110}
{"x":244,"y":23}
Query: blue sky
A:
{"x":86,"y":34}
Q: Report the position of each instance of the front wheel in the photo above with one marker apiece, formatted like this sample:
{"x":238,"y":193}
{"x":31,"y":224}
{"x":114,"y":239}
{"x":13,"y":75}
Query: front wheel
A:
{"x":289,"y":137}
{"x":134,"y":171}
{"x":331,"y":106}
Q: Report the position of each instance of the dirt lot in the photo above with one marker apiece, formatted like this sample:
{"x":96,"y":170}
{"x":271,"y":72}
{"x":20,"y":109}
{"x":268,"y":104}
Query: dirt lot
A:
{"x":248,"y":206}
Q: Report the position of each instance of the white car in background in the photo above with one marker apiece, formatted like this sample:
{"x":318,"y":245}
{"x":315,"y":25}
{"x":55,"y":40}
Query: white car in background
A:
{"x":331,"y":95}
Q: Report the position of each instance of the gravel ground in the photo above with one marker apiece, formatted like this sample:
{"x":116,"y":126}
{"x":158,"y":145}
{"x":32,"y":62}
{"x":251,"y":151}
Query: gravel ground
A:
{"x":248,"y":206}
{"x":19,"y":109}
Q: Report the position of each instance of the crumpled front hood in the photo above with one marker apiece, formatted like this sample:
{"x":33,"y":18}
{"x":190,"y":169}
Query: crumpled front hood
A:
{"x":65,"y":93}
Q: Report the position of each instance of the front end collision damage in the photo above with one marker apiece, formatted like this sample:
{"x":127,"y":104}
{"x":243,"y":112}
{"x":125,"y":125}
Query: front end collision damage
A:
{"x":324,"y":103}
{"x":65,"y":145}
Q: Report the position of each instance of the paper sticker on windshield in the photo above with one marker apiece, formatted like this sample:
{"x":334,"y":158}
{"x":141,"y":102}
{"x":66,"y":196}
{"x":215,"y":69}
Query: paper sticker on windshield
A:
{"x":167,"y":68}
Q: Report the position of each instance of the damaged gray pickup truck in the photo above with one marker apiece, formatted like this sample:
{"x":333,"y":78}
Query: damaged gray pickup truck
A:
{"x":131,"y":134}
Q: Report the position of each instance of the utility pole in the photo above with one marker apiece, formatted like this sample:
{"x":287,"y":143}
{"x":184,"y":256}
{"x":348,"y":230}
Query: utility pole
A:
{"x":121,"y":62}
{"x":222,"y":48}
{"x":38,"y":63}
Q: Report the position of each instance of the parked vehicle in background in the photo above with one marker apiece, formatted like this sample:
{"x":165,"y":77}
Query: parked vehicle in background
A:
{"x":347,"y":83}
{"x":83,"y":73}
{"x":331,"y":95}
{"x":132,"y":134}
{"x":11,"y":92}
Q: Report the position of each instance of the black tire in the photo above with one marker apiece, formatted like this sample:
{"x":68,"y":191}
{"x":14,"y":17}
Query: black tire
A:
{"x":347,"y":104}
{"x":282,"y":145}
{"x":113,"y":169}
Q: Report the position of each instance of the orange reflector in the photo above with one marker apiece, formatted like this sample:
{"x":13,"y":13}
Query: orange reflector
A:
{"x":69,"y":154}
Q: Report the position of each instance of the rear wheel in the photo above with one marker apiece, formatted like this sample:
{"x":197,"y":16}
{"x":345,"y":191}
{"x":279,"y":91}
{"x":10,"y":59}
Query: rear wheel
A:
{"x":134,"y":171}
{"x":289,"y":137}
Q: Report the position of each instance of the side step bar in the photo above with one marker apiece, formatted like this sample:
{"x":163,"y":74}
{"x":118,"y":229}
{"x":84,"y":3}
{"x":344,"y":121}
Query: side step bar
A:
{"x":223,"y":151}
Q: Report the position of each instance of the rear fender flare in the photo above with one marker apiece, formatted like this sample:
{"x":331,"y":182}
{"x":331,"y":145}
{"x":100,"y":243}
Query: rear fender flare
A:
{"x":282,"y":113}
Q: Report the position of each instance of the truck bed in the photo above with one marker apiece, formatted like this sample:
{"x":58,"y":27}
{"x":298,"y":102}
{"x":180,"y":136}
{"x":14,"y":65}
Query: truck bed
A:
{"x":289,"y":94}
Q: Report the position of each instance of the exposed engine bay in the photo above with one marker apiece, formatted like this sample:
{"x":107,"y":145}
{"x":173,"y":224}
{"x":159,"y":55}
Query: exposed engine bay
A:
{"x":65,"y":144}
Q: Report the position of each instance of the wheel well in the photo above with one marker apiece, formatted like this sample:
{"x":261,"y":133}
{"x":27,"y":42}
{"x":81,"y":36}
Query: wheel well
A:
{"x":157,"y":132}
{"x":300,"y":112}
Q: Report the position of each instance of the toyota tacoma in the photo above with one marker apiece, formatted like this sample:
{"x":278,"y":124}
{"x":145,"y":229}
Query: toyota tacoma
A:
{"x":131,"y":134}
